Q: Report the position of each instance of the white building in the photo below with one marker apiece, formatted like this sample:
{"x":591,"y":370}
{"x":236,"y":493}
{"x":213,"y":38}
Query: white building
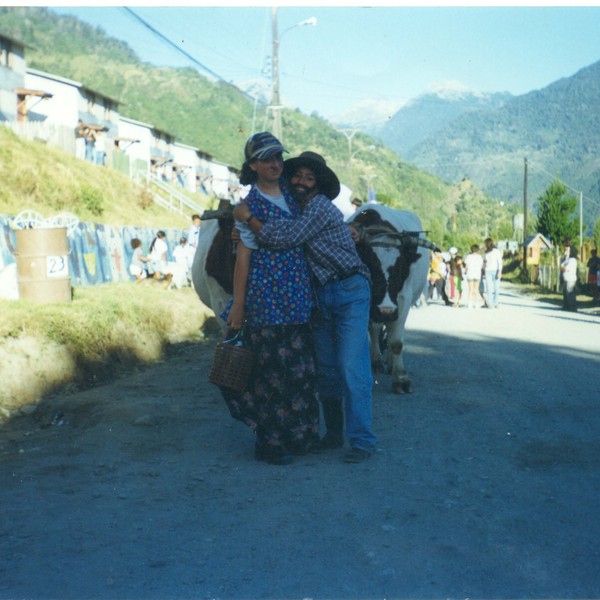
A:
{"x":185,"y":159}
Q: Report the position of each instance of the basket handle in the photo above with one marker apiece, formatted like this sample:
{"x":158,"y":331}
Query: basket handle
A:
{"x":237,"y":339}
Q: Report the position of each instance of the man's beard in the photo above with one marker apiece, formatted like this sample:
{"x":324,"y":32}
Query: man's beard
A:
{"x":300,"y":192}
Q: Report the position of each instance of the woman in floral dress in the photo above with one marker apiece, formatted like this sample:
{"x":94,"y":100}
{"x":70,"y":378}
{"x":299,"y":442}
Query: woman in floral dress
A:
{"x":272,"y":295}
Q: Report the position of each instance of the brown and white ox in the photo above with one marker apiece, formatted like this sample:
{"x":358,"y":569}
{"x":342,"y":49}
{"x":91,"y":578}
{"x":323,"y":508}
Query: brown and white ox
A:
{"x":214,"y":261}
{"x":392,"y":245}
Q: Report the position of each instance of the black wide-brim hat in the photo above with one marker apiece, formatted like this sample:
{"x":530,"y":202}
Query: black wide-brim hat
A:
{"x":327,"y":180}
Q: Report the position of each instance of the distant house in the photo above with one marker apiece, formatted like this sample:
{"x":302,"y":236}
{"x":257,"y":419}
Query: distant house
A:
{"x":203,"y":173}
{"x":184,"y":166}
{"x":50,"y":109}
{"x":221,"y":179}
{"x":12,"y":76}
{"x":62,"y":109}
{"x":134,"y":141}
{"x":161,"y":155}
{"x":534,"y":246}
{"x":68,"y":101}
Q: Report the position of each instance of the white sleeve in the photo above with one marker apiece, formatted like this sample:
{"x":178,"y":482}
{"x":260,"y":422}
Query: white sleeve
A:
{"x":246,"y":236}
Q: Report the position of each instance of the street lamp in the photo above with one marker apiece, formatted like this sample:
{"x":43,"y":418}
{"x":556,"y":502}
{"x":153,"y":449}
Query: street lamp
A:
{"x":276,"y":105}
{"x":370,"y":193}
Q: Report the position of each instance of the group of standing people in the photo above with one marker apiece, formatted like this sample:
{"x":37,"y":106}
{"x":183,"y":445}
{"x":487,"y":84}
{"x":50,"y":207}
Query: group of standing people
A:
{"x":302,"y":298}
{"x":90,"y":143}
{"x":482,"y":272}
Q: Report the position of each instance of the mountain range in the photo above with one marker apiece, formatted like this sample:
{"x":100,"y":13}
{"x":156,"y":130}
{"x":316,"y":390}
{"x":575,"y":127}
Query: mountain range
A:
{"x":424,"y":116}
{"x":485,"y":137}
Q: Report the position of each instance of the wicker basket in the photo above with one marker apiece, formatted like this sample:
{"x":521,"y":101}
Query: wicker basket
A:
{"x":232,"y":365}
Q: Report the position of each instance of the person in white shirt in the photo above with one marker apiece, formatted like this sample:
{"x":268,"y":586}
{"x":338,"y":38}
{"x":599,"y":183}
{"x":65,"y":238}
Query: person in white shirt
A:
{"x":568,"y":269}
{"x":157,"y":267}
{"x":193,"y":238}
{"x":473,"y":264}
{"x":492,"y":270}
{"x":180,"y":255}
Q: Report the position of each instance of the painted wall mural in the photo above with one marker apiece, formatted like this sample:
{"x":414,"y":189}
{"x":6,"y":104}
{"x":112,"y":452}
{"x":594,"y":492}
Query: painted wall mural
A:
{"x":97,"y":253}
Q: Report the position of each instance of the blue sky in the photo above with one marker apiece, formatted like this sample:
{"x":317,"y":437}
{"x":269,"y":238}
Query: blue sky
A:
{"x":356,"y":53}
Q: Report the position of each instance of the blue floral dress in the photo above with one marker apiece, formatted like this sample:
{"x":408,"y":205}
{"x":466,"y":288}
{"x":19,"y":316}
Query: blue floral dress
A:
{"x":281,"y":401}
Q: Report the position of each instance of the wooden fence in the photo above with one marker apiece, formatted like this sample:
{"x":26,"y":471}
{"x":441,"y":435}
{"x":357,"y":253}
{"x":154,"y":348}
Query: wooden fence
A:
{"x":60,"y":136}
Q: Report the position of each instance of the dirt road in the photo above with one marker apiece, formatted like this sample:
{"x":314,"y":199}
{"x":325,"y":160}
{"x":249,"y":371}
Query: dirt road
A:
{"x":485,"y":485}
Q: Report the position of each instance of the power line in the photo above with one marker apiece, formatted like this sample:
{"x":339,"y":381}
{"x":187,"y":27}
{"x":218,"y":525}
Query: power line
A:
{"x":533,"y":166}
{"x":178,"y":48}
{"x":181,"y":51}
{"x":248,"y":68}
{"x":172,"y":44}
{"x":594,"y":201}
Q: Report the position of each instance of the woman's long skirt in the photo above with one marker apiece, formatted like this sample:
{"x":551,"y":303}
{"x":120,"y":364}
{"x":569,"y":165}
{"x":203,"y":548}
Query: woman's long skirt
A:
{"x":281,"y":402}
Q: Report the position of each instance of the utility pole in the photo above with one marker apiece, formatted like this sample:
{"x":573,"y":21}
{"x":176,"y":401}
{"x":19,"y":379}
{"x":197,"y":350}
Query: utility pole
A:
{"x":580,"y":225}
{"x":275,"y":101}
{"x":276,"y":106}
{"x":525,"y":221}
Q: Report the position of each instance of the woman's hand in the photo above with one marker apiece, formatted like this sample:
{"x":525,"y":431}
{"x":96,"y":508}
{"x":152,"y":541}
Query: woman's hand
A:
{"x":236,"y":317}
{"x":241,"y":212}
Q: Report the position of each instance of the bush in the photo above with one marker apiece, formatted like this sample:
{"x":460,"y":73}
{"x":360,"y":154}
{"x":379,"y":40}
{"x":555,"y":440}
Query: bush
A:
{"x":91,"y":200}
{"x":145,"y":199}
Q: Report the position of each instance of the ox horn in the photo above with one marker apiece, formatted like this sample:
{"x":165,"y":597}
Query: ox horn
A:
{"x":422,"y":242}
{"x":219,"y":213}
{"x":427,"y":244}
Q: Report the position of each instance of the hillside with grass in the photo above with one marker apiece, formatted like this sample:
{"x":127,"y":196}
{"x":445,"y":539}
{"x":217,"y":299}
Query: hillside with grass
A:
{"x":106,"y":329}
{"x":38,"y":177}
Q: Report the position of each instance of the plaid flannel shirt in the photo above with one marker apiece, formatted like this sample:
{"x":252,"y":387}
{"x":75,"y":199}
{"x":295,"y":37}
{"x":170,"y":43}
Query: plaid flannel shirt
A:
{"x":329,"y":247}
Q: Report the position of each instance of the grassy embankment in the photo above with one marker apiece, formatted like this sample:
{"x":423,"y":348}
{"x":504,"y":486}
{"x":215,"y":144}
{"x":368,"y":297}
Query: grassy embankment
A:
{"x":45,"y":347}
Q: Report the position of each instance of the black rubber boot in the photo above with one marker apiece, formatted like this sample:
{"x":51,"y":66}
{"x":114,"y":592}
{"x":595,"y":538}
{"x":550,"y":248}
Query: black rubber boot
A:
{"x":334,"y":424}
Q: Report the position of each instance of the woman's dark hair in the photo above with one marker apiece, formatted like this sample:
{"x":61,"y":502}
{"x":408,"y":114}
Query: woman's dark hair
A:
{"x":159,"y":234}
{"x":573,"y":251}
{"x":247,"y":176}
{"x":136,"y":243}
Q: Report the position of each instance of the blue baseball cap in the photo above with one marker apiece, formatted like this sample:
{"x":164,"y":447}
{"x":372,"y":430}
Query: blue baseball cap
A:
{"x":262,"y":146}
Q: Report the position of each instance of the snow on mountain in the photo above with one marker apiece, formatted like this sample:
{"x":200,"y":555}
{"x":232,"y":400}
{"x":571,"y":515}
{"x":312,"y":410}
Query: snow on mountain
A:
{"x":368,"y":114}
{"x":428,"y":113}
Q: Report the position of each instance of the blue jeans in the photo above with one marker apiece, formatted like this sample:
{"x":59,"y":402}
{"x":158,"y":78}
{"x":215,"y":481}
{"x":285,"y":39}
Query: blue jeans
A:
{"x":343,"y":354}
{"x":90,"y":151}
{"x":492,"y":288}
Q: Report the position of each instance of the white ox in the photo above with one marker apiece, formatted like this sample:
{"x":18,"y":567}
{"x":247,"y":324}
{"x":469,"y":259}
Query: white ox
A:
{"x":392,"y":245}
{"x":212,"y":268}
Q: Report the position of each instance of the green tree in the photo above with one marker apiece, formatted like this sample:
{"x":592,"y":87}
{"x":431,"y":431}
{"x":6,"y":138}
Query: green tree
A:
{"x":596,"y":233}
{"x":556,"y":217}
{"x":556,"y":214}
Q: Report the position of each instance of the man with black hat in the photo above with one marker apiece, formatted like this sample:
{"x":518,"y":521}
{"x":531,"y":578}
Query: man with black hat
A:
{"x":342,"y":290}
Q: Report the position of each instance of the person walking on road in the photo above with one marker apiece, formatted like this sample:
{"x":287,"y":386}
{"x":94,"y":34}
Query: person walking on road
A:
{"x":456,"y":276}
{"x":473,"y":268}
{"x":593,"y":266}
{"x":492,"y":272}
{"x":438,"y":272}
{"x":568,"y":269}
